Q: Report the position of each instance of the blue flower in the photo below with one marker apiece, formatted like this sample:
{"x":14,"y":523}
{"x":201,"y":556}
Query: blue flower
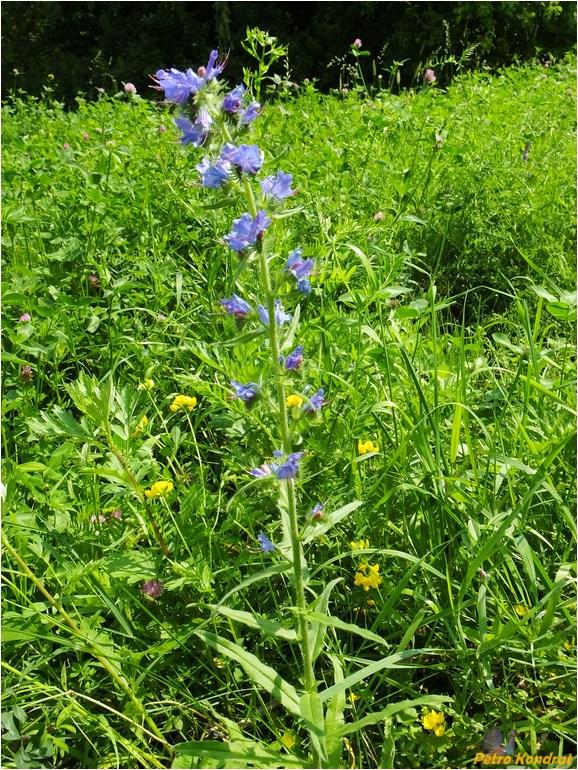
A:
{"x":281,"y":317}
{"x":178,"y":86}
{"x":246,"y":393}
{"x":301,"y":269}
{"x":261,"y":472}
{"x":286,"y":470}
{"x":247,"y":157}
{"x":266,"y":544}
{"x":194,"y":133}
{"x":235,"y":306}
{"x":278,"y":186}
{"x":212,"y":70}
{"x":232,"y":101}
{"x":213,"y":176}
{"x":316,"y":401}
{"x":250,"y":114}
{"x":247,"y":230}
{"x":294,"y":359}
{"x":303,"y":286}
{"x":290,"y":467}
{"x":317,"y":512}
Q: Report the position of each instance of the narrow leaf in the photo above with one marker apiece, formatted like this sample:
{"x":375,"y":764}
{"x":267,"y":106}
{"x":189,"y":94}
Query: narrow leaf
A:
{"x":264,"y":676}
{"x":268,"y":627}
{"x":242,"y":753}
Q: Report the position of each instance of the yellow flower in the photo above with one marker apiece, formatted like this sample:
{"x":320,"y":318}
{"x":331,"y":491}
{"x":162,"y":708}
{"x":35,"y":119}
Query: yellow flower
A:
{"x":144,"y":421}
{"x":294,"y":401}
{"x":148,"y":384}
{"x":362,"y":544}
{"x":159,"y":489}
{"x":434,"y":722}
{"x":567,"y":645}
{"x":183,"y":402}
{"x":353,"y":697}
{"x":288,"y":740}
{"x":367,"y":576}
{"x":521,"y":611}
{"x":366,"y":446}
{"x":370,"y":602}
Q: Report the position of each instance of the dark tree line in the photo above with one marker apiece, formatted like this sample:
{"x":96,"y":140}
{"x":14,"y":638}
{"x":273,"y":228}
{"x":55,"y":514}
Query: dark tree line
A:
{"x":89,"y":45}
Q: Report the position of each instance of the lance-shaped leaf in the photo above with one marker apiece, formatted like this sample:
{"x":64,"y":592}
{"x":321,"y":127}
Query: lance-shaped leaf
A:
{"x":318,"y":627}
{"x":268,"y":627}
{"x":237,"y":754}
{"x":312,"y":714}
{"x":392,"y":661}
{"x":434,"y":701}
{"x":264,"y":676}
{"x":334,"y":719}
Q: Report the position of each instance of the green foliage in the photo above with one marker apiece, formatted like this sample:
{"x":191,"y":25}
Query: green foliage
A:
{"x":467,"y":506}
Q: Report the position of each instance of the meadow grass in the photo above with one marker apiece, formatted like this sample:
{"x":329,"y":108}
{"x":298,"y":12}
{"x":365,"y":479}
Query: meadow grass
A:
{"x":442,"y":331}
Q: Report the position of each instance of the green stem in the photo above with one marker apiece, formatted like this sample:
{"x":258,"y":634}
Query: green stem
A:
{"x":296,"y":546}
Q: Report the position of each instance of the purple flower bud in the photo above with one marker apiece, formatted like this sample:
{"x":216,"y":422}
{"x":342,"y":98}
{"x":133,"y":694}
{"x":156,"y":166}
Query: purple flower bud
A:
{"x":278,"y":186}
{"x":213,"y":176}
{"x":316,"y":401}
{"x":152,"y":588}
{"x":290,"y":467}
{"x":261,"y":472}
{"x":25,"y":317}
{"x":246,"y":230}
{"x":250,"y":114}
{"x":429,"y":76}
{"x":232,"y":101}
{"x":247,"y":157}
{"x":266,"y":544}
{"x":178,"y":86}
{"x":281,"y":317}
{"x":194,"y":133}
{"x":246,"y":393}
{"x":317,"y":512}
{"x":294,"y":359}
{"x":357,"y":43}
{"x":130,"y":88}
{"x":236,"y":306}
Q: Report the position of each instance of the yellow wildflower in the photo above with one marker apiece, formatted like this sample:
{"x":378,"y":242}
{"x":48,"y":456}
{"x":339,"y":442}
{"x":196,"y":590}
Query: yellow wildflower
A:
{"x":362,"y":544}
{"x":521,"y":611}
{"x":371,"y":602}
{"x":159,"y":489}
{"x":368,"y":576}
{"x":148,"y":384}
{"x":144,"y":421}
{"x":294,"y":401}
{"x":353,"y":697}
{"x":434,"y":722}
{"x":183,"y":402}
{"x":567,"y":645}
{"x":366,"y":446}
{"x":288,"y":740}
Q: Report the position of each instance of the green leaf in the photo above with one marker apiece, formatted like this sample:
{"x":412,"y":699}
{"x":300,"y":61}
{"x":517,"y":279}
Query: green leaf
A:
{"x":392,"y":661}
{"x":312,"y":714}
{"x":329,"y":620}
{"x":435,"y":701}
{"x":241,"y":753}
{"x":318,"y":629}
{"x":268,"y":627}
{"x":264,"y":676}
{"x":334,"y":719}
